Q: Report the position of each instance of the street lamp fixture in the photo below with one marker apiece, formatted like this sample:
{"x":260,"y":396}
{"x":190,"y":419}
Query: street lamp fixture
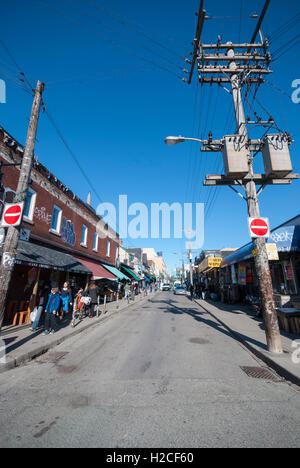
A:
{"x":174,"y":140}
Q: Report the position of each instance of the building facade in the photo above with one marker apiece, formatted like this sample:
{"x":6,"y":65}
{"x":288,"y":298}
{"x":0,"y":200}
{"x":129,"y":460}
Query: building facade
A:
{"x":61,"y":237}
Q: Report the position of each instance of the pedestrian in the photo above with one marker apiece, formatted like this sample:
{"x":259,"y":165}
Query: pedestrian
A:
{"x":93,"y":293}
{"x":126,"y":292}
{"x":41,"y":303}
{"x":52,"y":308}
{"x":66,"y":299}
{"x":132,"y":291}
{"x":192,"y":291}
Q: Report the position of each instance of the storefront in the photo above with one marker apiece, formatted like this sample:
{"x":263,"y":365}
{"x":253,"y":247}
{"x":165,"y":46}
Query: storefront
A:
{"x":36,"y":265}
{"x":238,"y":272}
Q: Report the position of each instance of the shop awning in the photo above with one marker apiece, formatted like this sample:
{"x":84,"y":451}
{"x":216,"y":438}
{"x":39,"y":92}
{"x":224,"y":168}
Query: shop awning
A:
{"x":117,"y":273}
{"x":151,"y":277}
{"x":39,"y":256}
{"x":286,"y":238}
{"x":97,"y":269}
{"x":132,"y":274}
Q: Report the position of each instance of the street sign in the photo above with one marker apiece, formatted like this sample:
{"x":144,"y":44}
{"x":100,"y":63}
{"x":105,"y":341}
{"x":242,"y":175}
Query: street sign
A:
{"x":259,"y":227}
{"x":12,"y":214}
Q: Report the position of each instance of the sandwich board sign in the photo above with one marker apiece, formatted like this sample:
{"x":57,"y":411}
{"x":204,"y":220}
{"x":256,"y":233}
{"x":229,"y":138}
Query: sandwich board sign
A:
{"x":259,"y":227}
{"x":12,"y":214}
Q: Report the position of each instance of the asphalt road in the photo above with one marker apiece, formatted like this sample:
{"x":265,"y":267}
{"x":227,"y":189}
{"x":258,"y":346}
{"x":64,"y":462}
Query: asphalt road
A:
{"x":163,"y":374}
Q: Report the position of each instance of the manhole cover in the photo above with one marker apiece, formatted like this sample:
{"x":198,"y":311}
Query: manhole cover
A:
{"x":199,"y":341}
{"x":52,"y":356}
{"x":261,"y":373}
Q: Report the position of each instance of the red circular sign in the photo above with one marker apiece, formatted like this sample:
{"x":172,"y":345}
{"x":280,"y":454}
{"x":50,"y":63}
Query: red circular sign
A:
{"x":259,"y":227}
{"x":12,"y":215}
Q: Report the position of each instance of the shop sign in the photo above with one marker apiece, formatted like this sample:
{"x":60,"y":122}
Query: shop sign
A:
{"x":214,"y":262}
{"x":272,"y":252}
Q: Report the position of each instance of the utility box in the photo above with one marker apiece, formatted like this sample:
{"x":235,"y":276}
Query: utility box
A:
{"x":276,"y":156}
{"x":235,"y":156}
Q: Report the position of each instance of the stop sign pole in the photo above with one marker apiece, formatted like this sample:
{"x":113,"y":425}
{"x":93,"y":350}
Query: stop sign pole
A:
{"x":13,"y":233}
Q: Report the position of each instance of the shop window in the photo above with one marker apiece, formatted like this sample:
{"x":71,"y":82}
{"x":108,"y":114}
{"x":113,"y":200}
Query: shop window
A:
{"x":56,"y":220}
{"x":29,"y":205}
{"x":84,"y":236}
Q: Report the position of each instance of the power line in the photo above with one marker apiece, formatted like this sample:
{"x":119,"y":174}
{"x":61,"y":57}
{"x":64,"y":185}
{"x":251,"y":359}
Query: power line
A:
{"x":125,"y":24}
{"x":114,"y":43}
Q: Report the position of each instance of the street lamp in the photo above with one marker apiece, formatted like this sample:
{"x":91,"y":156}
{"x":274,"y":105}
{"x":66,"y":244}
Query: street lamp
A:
{"x":174,"y":140}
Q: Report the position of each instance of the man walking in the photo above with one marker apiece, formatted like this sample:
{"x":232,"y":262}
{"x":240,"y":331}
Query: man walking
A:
{"x":52,"y":308}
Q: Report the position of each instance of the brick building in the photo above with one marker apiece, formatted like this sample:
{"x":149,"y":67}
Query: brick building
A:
{"x":62,"y":237}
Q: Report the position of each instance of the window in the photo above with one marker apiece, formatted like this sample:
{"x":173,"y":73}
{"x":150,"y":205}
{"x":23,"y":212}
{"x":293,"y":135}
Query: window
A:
{"x":56,"y":220}
{"x":108,"y":249}
{"x":84,"y":236}
{"x":95,"y":247}
{"x":29,"y":205}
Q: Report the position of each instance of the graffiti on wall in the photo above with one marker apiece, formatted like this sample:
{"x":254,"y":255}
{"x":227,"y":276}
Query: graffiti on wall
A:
{"x":68,"y":232}
{"x":42,"y":215}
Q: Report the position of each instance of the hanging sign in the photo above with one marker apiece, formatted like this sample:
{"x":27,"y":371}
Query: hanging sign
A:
{"x":12,"y":214}
{"x":259,"y":227}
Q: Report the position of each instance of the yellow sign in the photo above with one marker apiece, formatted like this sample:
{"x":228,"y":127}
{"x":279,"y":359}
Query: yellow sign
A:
{"x":271,"y":250}
{"x":214,"y":262}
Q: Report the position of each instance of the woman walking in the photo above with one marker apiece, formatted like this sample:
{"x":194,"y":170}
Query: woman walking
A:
{"x":66,"y":299}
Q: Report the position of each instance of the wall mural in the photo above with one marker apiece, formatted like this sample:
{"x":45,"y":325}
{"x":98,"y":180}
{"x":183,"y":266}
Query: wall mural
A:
{"x":68,"y":232}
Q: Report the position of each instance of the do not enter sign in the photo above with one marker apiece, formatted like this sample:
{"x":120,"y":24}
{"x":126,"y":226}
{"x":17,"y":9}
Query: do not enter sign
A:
{"x":12,"y":214}
{"x":259,"y":227}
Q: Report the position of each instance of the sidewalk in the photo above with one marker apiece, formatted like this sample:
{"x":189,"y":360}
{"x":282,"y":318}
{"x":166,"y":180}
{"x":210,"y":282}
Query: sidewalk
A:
{"x":21,"y":345}
{"x":249,"y":330}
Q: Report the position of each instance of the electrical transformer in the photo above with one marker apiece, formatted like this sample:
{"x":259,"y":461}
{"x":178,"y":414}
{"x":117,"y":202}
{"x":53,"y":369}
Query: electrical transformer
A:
{"x":276,"y":156}
{"x":235,"y":156}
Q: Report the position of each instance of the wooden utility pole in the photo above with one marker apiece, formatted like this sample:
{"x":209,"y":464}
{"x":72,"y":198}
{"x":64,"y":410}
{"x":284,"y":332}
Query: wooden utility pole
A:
{"x":237,"y":65}
{"x":13,"y":233}
{"x":261,"y":260}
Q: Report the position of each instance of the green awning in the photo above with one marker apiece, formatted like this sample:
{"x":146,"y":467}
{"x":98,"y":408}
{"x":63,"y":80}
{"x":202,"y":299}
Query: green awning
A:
{"x":131,"y":273}
{"x":150,"y":276}
{"x":116,"y":272}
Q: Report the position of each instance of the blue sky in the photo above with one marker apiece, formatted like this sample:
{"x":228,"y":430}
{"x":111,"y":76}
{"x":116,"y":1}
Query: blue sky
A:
{"x":115,"y":95}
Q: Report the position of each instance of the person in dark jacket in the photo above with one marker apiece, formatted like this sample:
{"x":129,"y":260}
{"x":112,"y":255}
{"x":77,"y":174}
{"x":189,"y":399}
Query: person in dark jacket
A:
{"x":66,"y":299}
{"x":93,"y":293}
{"x":52,"y":308}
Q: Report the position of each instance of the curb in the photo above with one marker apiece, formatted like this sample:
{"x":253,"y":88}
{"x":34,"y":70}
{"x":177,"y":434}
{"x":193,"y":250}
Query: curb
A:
{"x":12,"y":363}
{"x":281,"y":371}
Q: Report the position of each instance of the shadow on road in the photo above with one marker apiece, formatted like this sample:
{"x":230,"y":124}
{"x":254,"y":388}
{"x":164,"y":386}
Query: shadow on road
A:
{"x":200,"y":317}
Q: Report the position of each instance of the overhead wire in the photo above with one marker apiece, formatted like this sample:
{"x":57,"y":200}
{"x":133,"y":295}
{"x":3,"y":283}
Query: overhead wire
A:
{"x":124,"y":22}
{"x":111,"y":42}
{"x":116,"y":31}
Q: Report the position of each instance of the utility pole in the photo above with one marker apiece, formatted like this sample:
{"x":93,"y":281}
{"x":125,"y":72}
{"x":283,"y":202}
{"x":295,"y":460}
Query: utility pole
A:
{"x":261,"y":260}
{"x":237,"y":65}
{"x":13,"y":233}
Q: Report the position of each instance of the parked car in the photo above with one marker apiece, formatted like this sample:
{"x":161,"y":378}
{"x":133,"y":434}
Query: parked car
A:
{"x":180,"y":290}
{"x":166,"y":287}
